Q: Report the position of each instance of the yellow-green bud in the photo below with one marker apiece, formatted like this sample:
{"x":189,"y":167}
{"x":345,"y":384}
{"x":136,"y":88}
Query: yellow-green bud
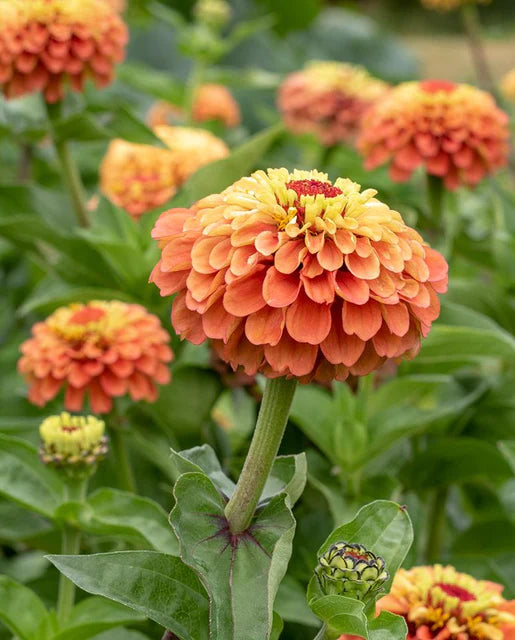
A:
{"x":213,"y":13}
{"x":74,"y":442}
{"x":350,"y":570}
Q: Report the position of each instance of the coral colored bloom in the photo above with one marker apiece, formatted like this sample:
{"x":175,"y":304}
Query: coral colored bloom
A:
{"x":44,"y":43}
{"x":508,"y":86}
{"x":442,"y":604}
{"x":104,"y":349}
{"x":140,"y":177}
{"x":449,"y":5}
{"x":291,"y":275}
{"x":328,"y":99}
{"x":454,"y":131}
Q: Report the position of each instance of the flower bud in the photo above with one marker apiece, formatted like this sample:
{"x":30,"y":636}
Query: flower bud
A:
{"x":74,"y":443}
{"x":350,"y":570}
{"x":213,"y":13}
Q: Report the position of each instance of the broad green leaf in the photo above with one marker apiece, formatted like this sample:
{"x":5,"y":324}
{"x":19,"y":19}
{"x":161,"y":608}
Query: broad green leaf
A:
{"x":341,"y":615}
{"x":151,"y":82}
{"x":387,"y":626}
{"x":291,"y":605}
{"x":492,"y":537}
{"x":322,"y":477}
{"x":25,"y":479}
{"x":18,"y":524}
{"x":25,"y":567}
{"x":508,"y":451}
{"x":94,"y":615}
{"x":154,"y":584}
{"x":288,"y":475}
{"x":202,"y":459}
{"x":20,"y":609}
{"x":226,"y":564}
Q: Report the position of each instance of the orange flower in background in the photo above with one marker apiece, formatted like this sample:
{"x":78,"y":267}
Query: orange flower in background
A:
{"x":328,"y":99}
{"x":163,"y":112}
{"x":44,"y":43}
{"x":454,"y":131}
{"x":441,"y":603}
{"x":291,"y":275}
{"x":449,"y":5}
{"x":508,"y":85}
{"x":100,"y":349}
{"x":140,"y":177}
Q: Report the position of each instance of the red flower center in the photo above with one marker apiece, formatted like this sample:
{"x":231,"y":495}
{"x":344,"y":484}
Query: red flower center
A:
{"x":69,"y":429}
{"x":86,"y":315}
{"x":432,"y":86}
{"x":456,"y":592}
{"x":313,"y":188}
{"x":356,"y":555}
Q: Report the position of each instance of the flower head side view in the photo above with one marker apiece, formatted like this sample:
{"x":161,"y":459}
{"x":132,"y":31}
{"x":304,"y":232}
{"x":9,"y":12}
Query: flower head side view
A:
{"x":45,"y":44}
{"x":100,"y":349}
{"x":454,"y":131}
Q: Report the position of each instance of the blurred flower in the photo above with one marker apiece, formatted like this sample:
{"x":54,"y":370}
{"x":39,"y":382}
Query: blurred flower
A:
{"x":72,"y":441}
{"x":105,"y":349}
{"x":291,"y":275}
{"x":43,"y":43}
{"x":118,"y":5}
{"x":438,"y":602}
{"x":350,"y":570}
{"x":508,"y":86}
{"x":328,"y":99}
{"x":449,"y":5}
{"x":140,"y":177}
{"x":454,"y":131}
{"x":211,"y":102}
{"x":213,"y":13}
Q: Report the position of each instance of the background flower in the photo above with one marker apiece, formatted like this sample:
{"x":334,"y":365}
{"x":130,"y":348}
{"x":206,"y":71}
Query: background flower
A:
{"x":291,"y":275}
{"x":449,"y":5}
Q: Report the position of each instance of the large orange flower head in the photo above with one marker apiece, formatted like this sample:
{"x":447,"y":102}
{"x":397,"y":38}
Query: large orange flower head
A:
{"x":328,"y":99}
{"x":291,"y":275}
{"x":450,"y":5}
{"x":44,"y":43}
{"x":140,"y":177}
{"x":441,"y":603}
{"x":104,"y":349}
{"x":454,"y":131}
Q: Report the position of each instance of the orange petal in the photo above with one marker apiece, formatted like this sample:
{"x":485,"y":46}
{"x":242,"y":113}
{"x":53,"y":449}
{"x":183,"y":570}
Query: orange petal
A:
{"x":436,"y":264}
{"x":351,"y":288}
{"x":330,"y":257}
{"x":321,"y":288}
{"x":366,"y":268}
{"x":113,"y":385}
{"x":308,"y":321}
{"x":289,"y":256}
{"x":265,"y":326}
{"x":396,"y":317}
{"x":339,"y":347}
{"x":244,"y":295}
{"x":289,"y":356}
{"x":186,"y":323}
{"x":217,"y":323}
{"x":362,"y":320}
{"x":279,"y":289}
{"x":74,"y":398}
{"x":99,"y":401}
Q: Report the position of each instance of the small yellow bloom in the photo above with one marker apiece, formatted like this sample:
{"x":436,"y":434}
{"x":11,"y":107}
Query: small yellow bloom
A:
{"x":72,"y":441}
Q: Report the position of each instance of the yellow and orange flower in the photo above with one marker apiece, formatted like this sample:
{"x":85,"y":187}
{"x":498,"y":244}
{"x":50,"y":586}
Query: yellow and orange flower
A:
{"x":508,"y":86}
{"x":442,"y":604}
{"x":44,"y":43}
{"x":454,"y":131}
{"x":140,"y":177}
{"x":328,"y":100}
{"x":450,"y":5}
{"x":291,"y":275}
{"x":103,"y":349}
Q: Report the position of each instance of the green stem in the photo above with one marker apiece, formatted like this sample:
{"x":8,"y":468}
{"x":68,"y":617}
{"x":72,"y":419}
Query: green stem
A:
{"x":122,"y":460}
{"x":194,"y":81}
{"x":70,"y":171}
{"x":436,"y":527}
{"x":270,"y":426}
{"x":472,"y":25}
{"x":74,"y":490}
{"x":435,"y":191}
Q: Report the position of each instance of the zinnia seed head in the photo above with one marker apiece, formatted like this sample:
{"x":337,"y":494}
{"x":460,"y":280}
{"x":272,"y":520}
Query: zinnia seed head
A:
{"x":351,"y":570}
{"x":75,"y":443}
{"x":328,"y":100}
{"x":100,"y":349}
{"x":453,"y":131}
{"x":450,"y":5}
{"x":46,"y":43}
{"x":291,"y":275}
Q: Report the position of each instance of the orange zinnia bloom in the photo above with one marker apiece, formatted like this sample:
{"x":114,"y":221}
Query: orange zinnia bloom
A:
{"x":449,"y":5}
{"x":43,"y":43}
{"x":140,"y":177}
{"x":291,"y":275}
{"x":454,"y":131}
{"x":442,"y":604}
{"x":105,"y":349}
{"x":328,"y":99}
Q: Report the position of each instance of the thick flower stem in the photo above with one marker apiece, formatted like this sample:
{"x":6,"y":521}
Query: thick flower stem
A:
{"x":122,"y":460}
{"x":472,"y":25}
{"x":74,"y":490}
{"x":268,"y":434}
{"x":436,"y":526}
{"x":70,"y":171}
{"x":435,"y":191}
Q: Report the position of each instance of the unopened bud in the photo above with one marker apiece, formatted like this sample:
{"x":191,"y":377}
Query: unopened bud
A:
{"x":213,"y":13}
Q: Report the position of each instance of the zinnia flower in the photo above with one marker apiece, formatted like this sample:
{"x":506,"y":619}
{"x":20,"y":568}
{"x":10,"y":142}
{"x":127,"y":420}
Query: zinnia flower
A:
{"x":441,"y":603}
{"x":328,"y":99}
{"x":508,"y":86}
{"x":449,"y":5}
{"x":104,"y":349}
{"x":140,"y":177}
{"x":454,"y":131}
{"x":291,"y":275}
{"x":44,"y":43}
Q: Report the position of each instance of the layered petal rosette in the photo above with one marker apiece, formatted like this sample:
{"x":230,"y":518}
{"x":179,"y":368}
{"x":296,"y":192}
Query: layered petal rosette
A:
{"x":450,"y":5}
{"x":441,"y":603}
{"x":45,"y":44}
{"x":328,"y":100}
{"x":99,"y":349}
{"x":291,"y":275}
{"x":454,"y":131}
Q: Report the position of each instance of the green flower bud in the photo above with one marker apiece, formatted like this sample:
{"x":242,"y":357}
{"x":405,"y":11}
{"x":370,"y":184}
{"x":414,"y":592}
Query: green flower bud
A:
{"x":213,"y":13}
{"x":350,"y":570}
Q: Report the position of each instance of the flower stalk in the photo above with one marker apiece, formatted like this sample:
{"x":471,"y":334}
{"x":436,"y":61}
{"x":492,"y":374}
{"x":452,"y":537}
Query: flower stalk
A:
{"x":436,"y":526}
{"x":472,"y":25}
{"x":124,"y":471}
{"x":270,"y":426}
{"x":435,"y":192}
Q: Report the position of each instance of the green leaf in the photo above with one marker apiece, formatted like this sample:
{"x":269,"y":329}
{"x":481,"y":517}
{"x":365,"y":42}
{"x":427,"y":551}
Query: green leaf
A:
{"x":202,"y":459}
{"x":20,"y":609}
{"x":94,"y":615}
{"x":508,"y":451}
{"x":120,"y":633}
{"x":341,"y":614}
{"x":288,"y":475}
{"x":150,"y":81}
{"x":387,"y":626}
{"x":18,"y":524}
{"x":25,"y":479}
{"x":227,"y":564}
{"x":291,"y":605}
{"x":157,"y":585}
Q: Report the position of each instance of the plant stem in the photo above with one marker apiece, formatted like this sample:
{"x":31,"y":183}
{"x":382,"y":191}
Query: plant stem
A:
{"x":122,"y":460}
{"x":435,"y":191}
{"x":194,"y":81}
{"x":70,"y":171}
{"x":270,"y":426}
{"x":472,"y":25}
{"x":75,"y":489}
{"x":436,"y":525}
